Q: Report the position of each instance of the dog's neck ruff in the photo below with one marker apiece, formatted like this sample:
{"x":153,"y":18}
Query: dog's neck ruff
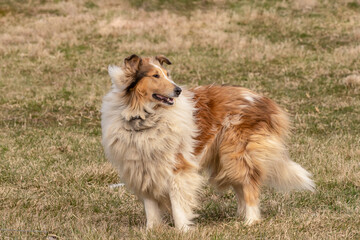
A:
{"x":135,"y":118}
{"x":140,"y":117}
{"x":141,"y":123}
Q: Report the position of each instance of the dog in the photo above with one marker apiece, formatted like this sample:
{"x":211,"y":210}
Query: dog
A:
{"x":161,"y":138}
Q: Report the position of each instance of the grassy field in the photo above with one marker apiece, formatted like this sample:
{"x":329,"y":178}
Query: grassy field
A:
{"x":54,"y":178}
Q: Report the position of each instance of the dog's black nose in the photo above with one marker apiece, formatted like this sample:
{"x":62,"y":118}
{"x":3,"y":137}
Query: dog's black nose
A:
{"x":177,"y":91}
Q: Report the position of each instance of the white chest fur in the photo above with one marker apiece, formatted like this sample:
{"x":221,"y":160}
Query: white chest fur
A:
{"x":145,"y":156}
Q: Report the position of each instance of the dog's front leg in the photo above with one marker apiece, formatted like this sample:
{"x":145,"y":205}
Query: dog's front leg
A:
{"x":153,"y":213}
{"x":180,"y":217}
{"x":181,"y":203}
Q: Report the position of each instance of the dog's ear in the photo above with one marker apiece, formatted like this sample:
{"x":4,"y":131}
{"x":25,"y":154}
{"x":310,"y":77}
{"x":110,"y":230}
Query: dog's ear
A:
{"x":117,"y":75}
{"x":162,"y":59}
{"x":133,"y":62}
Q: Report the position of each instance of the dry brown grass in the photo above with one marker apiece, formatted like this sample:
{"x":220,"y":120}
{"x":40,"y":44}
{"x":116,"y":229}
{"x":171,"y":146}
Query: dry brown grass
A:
{"x":53,"y":60}
{"x":213,"y":28}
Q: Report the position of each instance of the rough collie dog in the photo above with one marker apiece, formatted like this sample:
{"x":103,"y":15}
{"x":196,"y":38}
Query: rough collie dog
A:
{"x":159,"y":137}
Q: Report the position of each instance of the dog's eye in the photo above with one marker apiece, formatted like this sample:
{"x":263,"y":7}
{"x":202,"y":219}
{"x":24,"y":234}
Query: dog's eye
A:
{"x":156,"y":76}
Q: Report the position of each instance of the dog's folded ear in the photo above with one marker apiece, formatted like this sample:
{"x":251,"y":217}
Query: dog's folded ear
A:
{"x":133,"y":62}
{"x":162,"y":59}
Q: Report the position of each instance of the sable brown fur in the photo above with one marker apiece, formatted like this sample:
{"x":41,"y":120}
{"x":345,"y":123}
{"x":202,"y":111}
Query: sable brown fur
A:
{"x":242,"y":144}
{"x":182,"y":164}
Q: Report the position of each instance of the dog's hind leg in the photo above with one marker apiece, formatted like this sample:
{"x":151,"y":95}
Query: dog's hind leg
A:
{"x":246,"y":178}
{"x":240,"y":200}
{"x":153,"y":213}
{"x":248,"y":202}
{"x":238,"y":168}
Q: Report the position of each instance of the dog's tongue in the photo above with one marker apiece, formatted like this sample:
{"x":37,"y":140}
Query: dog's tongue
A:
{"x":161,"y":97}
{"x":165,"y":99}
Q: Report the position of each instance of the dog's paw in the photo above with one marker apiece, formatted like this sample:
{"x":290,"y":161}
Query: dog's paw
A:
{"x":252,"y":215}
{"x":152,"y":225}
{"x":186,"y":228}
{"x":251,"y":221}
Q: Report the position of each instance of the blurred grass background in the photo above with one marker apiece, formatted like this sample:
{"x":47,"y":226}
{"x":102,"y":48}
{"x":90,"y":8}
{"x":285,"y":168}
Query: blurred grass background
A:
{"x":304,"y":54}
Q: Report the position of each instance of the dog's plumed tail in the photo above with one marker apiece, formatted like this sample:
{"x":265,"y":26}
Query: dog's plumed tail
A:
{"x":280,"y":172}
{"x":286,"y":175}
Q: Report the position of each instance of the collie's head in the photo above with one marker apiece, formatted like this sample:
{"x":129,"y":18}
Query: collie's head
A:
{"x":144,"y":81}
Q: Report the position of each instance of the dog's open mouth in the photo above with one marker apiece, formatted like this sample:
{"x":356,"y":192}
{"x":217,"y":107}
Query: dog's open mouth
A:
{"x":163,"y":99}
